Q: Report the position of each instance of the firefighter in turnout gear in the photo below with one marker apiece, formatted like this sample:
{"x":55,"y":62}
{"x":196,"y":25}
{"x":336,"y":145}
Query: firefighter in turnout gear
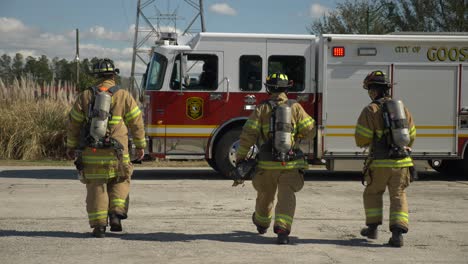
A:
{"x":387,"y":128}
{"x":276,"y":126}
{"x":97,"y":137}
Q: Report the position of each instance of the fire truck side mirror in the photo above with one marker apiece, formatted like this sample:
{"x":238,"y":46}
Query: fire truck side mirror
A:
{"x":184,"y":78}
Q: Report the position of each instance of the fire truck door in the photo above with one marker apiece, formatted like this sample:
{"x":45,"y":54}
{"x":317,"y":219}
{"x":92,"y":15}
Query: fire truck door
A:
{"x":194,"y":110}
{"x":430,"y":92}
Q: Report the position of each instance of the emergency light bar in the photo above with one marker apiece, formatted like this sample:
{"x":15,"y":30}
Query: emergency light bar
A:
{"x":338,"y":51}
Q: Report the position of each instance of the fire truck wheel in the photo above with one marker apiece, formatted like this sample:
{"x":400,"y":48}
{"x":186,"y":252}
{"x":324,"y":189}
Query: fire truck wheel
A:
{"x":225,"y":151}
{"x":212,"y":164}
{"x":447,"y":167}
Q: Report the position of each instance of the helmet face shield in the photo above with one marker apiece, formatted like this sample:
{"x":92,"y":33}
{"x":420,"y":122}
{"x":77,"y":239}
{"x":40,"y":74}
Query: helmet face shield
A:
{"x":376,"y":80}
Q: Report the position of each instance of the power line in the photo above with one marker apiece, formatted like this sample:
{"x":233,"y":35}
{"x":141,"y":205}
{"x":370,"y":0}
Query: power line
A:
{"x":150,"y":31}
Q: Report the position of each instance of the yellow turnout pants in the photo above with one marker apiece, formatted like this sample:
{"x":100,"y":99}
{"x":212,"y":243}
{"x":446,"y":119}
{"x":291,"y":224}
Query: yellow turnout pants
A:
{"x":397,"y":179}
{"x":266,"y":182}
{"x":106,"y":197}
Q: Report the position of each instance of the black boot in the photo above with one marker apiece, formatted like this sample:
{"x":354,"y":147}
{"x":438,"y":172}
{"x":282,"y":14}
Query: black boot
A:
{"x":397,"y":238}
{"x":283,"y":236}
{"x":114,"y":222}
{"x":370,"y":231}
{"x":260,"y":229}
{"x":99,"y":231}
{"x":283,"y":239}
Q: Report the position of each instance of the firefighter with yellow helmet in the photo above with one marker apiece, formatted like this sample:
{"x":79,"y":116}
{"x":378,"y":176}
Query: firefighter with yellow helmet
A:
{"x":97,"y":136}
{"x":387,"y":128}
{"x":276,"y":126}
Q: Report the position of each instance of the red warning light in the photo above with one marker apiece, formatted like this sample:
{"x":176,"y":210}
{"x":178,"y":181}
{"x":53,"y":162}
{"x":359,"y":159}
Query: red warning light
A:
{"x":338,"y":51}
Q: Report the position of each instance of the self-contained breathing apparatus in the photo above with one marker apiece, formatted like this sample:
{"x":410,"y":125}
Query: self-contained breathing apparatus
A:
{"x":99,"y":112}
{"x":395,"y":139}
{"x":393,"y":144}
{"x":279,"y":146}
{"x":95,"y":132}
{"x":281,"y":129}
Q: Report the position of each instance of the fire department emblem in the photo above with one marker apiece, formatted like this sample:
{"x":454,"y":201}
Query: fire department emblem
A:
{"x":194,"y":108}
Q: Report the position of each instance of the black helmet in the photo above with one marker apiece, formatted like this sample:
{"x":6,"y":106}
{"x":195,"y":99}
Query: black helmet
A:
{"x":277,"y":82}
{"x":104,"y":67}
{"x":376,"y":80}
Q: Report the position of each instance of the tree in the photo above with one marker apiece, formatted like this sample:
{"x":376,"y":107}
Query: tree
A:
{"x":354,"y":17}
{"x":452,"y":15}
{"x":413,"y":15}
{"x":429,"y":15}
{"x":386,"y":16}
{"x":87,"y":78}
{"x":62,"y":69}
{"x":5,"y":69}
{"x":44,"y":72}
{"x":18,"y":65}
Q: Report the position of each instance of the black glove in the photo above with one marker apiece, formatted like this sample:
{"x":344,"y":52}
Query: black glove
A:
{"x":244,"y":170}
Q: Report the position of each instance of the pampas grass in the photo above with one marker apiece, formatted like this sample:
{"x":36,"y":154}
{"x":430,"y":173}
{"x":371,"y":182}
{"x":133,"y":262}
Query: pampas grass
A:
{"x":33,"y":119}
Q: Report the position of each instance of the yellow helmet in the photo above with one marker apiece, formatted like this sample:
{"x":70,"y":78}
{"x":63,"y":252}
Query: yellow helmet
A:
{"x":277,"y":82}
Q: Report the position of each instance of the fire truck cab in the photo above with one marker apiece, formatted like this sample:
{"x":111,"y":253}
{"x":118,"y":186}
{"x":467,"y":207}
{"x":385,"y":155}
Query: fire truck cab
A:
{"x":199,"y":91}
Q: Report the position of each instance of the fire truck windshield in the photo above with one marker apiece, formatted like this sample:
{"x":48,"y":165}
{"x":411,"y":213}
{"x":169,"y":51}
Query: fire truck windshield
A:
{"x":156,"y":72}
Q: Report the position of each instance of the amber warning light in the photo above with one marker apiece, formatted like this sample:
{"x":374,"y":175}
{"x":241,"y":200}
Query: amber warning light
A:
{"x":338,"y":51}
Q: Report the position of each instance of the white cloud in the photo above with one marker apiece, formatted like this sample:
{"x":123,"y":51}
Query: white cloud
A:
{"x":8,"y":24}
{"x":318,"y":10}
{"x":223,"y":9}
{"x":100,"y":32}
{"x":16,"y":37}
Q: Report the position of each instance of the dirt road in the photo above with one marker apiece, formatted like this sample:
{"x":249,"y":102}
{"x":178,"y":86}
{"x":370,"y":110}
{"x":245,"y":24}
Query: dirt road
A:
{"x":195,"y":216}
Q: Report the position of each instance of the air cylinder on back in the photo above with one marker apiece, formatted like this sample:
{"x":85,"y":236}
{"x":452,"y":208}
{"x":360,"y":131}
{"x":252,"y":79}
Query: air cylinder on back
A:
{"x":283,"y":129}
{"x":101,"y":111}
{"x":398,"y":122}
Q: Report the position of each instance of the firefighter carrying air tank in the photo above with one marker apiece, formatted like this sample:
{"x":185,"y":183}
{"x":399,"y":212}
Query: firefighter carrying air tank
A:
{"x":276,"y":126}
{"x":97,"y":137}
{"x":387,"y":127}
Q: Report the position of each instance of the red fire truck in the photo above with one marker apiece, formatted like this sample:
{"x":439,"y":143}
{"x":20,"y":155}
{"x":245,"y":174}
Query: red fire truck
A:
{"x":200,"y":90}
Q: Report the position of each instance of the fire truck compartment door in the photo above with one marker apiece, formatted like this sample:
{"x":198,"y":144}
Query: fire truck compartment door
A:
{"x":430,"y":93}
{"x":344,"y":99}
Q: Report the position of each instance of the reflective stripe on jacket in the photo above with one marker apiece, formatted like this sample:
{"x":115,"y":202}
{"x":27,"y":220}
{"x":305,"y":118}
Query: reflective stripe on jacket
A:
{"x":126,"y":115}
{"x":370,"y":124}
{"x":256,"y":131}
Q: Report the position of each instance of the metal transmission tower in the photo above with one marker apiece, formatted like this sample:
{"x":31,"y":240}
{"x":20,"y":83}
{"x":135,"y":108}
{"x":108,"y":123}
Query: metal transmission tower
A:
{"x":147,"y":32}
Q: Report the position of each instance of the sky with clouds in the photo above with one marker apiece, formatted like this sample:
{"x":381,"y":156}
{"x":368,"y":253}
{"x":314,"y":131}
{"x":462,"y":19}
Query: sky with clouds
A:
{"x":47,"y":27}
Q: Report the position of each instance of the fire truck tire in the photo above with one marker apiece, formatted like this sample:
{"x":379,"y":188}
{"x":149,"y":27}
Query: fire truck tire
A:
{"x":446,"y":167}
{"x":462,"y":166}
{"x":212,"y":164}
{"x":225,"y":151}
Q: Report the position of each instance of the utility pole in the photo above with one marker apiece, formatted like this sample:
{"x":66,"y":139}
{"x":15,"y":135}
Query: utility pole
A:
{"x":147,"y":33}
{"x":77,"y":58}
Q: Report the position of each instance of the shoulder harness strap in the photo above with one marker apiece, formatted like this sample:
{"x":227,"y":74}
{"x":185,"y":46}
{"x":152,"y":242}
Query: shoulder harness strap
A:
{"x":291,"y":102}
{"x":113,"y":89}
